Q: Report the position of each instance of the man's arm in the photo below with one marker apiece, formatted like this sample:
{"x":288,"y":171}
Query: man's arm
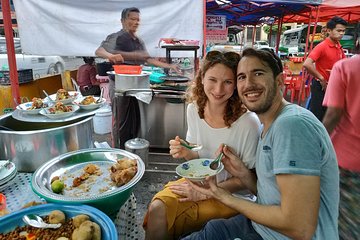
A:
{"x":310,"y":67}
{"x":158,"y":63}
{"x":114,"y":58}
{"x":296,"y":216}
{"x":332,"y":118}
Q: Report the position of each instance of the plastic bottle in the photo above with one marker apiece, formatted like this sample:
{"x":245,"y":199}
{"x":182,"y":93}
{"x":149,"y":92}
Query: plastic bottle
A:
{"x":186,"y":62}
{"x":5,"y":67}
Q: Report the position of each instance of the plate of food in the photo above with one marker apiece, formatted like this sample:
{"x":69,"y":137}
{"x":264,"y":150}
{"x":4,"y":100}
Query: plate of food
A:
{"x":89,"y":102}
{"x":64,"y":96}
{"x":32,"y":107}
{"x":77,"y":222}
{"x":103,"y":178}
{"x":197,"y":170}
{"x":59,"y":110}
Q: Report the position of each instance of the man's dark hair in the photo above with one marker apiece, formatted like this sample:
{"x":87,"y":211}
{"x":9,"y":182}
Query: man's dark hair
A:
{"x":331,"y":24}
{"x":126,"y":11}
{"x":268,"y":56}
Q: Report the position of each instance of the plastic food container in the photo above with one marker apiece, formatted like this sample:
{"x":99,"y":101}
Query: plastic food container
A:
{"x":102,"y":121}
{"x":155,"y":77}
{"x":127,"y":69}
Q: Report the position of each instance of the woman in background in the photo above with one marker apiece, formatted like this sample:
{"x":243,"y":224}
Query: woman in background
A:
{"x":86,"y":78}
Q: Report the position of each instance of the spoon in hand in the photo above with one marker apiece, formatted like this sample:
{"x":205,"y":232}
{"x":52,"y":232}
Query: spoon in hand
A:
{"x":36,"y":221}
{"x":194,"y":147}
{"x":216,"y":163}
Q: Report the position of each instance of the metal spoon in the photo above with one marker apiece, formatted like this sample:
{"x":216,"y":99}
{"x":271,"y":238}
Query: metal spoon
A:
{"x":36,"y":221}
{"x":101,"y":95}
{"x":17,"y":104}
{"x":5,"y":128}
{"x":216,"y":163}
{"x":47,"y":95}
{"x":194,"y":147}
{"x":4,"y":165}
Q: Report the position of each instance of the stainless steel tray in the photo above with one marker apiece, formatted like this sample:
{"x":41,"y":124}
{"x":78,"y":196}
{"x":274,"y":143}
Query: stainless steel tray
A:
{"x":70,"y":165}
{"x":19,"y":115}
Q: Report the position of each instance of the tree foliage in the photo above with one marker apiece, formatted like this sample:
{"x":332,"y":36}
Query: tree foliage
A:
{"x":266,"y":29}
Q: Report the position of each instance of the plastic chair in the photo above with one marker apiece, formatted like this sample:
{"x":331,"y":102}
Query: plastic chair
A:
{"x":287,"y":81}
{"x":296,"y":85}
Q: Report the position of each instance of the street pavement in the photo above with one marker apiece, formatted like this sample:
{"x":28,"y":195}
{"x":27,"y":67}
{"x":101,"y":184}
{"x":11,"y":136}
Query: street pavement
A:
{"x":160,"y":171}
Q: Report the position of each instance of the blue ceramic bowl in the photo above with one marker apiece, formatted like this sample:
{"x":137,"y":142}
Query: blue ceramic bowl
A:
{"x":108,"y":230}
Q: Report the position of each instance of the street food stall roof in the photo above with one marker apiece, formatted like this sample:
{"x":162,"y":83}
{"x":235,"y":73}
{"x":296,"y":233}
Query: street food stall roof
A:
{"x":247,"y":12}
{"x":348,"y":10}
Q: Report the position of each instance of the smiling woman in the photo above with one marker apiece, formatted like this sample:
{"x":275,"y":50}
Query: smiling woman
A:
{"x":215,"y":116}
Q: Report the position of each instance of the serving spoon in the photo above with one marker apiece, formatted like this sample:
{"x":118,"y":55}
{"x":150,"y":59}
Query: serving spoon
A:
{"x":101,"y":95}
{"x":19,"y":105}
{"x":36,"y":221}
{"x":7,"y":162}
{"x":48,"y":97}
{"x":193,"y":147}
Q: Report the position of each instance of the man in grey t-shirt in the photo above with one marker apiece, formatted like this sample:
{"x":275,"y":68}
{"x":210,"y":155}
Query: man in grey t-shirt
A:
{"x":127,"y":48}
{"x":297,"y":178}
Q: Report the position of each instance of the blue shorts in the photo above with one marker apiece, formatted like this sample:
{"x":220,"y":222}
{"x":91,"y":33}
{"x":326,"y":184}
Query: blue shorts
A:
{"x":235,"y":228}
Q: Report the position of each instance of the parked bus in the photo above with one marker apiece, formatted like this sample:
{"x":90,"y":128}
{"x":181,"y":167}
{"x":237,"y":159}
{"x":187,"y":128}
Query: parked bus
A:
{"x":294,"y":40}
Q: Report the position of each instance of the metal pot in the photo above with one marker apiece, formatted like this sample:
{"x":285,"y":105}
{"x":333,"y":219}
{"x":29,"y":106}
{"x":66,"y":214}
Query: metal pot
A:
{"x":139,"y":147}
{"x":132,"y":81}
{"x":31,"y":144}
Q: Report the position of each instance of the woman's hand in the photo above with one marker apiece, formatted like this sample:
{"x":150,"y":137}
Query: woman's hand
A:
{"x":187,"y":192}
{"x":179,"y":151}
{"x":210,"y":189}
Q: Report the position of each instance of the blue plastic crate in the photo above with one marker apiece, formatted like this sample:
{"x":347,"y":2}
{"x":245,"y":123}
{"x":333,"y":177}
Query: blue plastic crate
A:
{"x":24,"y":76}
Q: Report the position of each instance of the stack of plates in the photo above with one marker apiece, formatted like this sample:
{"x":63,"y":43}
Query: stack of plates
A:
{"x":7,"y":173}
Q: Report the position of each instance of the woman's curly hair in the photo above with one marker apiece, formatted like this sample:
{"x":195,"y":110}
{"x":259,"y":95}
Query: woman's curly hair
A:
{"x":196,"y":94}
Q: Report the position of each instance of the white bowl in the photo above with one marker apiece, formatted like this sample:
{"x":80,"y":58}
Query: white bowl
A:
{"x":73,"y":96}
{"x":91,"y":106}
{"x":24,"y":108}
{"x":59,"y":115}
{"x":197,"y":170}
